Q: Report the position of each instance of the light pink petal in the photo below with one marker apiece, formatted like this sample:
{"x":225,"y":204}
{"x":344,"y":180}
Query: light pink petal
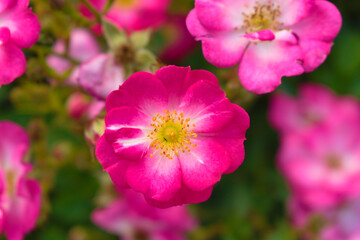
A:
{"x":224,"y":50}
{"x":111,"y":162}
{"x":232,"y":137}
{"x":82,"y":45}
{"x":14,"y":143}
{"x":292,"y":11}
{"x":263,"y":65}
{"x":157,"y":177}
{"x":317,"y":32}
{"x":194,"y":26}
{"x":184,"y":196}
{"x":100,"y":75}
{"x":22,"y":211}
{"x":24,"y":27}
{"x":203,"y":166}
{"x":315,"y":53}
{"x":227,"y":16}
{"x":12,"y":63}
{"x":151,"y":98}
{"x":323,"y":24}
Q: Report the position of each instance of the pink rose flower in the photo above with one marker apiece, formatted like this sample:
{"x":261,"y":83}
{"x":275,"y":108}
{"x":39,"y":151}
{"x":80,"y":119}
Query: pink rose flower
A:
{"x":270,"y":39}
{"x":100,"y":75}
{"x":320,"y":162}
{"x":19,"y":28}
{"x":171,"y":135}
{"x":82,"y":46}
{"x":131,"y":217}
{"x":20,"y":198}
{"x":132,"y":15}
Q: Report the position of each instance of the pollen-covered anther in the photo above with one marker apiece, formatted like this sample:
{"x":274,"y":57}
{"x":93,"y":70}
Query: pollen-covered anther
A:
{"x":171,"y":134}
{"x":263,"y":16}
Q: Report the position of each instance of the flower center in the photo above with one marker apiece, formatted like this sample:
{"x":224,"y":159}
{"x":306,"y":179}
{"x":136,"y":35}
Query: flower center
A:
{"x":264,"y":16}
{"x":10,"y":180}
{"x":333,"y":162}
{"x":171,"y":134}
{"x":125,"y":3}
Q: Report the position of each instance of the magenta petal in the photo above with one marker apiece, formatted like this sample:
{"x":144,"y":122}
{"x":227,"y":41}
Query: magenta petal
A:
{"x":111,"y":162}
{"x":12,"y":63}
{"x":203,"y":166}
{"x":157,"y":177}
{"x":151,"y":98}
{"x":263,"y":65}
{"x":24,"y":27}
{"x":232,"y":137}
{"x":178,"y":79}
{"x":125,"y":117}
{"x":4,"y":4}
{"x":184,"y":196}
{"x":4,"y":35}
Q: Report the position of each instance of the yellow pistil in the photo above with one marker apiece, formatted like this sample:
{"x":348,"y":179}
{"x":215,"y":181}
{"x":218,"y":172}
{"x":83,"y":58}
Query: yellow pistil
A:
{"x":125,"y":3}
{"x":333,"y":162}
{"x":264,"y":16}
{"x":10,"y":181}
{"x":171,"y":134}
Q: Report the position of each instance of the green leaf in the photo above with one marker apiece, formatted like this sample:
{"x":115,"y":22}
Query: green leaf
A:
{"x":113,"y":35}
{"x":141,"y":39}
{"x":146,"y":60}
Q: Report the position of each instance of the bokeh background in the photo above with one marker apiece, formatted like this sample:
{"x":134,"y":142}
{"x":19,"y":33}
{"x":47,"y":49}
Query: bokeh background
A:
{"x":247,"y":204}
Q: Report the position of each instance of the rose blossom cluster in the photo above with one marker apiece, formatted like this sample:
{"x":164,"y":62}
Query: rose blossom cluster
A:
{"x":269,"y":39}
{"x":20,"y":197}
{"x":19,"y":28}
{"x":171,"y":135}
{"x":319,"y":152}
{"x":131,"y":217}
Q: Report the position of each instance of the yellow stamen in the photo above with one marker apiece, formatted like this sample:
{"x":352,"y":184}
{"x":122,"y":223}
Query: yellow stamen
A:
{"x":171,"y":134}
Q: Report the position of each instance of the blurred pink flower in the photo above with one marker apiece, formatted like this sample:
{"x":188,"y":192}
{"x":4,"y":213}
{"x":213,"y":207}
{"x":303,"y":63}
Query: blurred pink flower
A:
{"x":101,"y":75}
{"x":19,"y":28}
{"x":316,"y":105}
{"x":320,"y":159}
{"x":131,"y":217}
{"x":341,"y":222}
{"x":179,"y":41}
{"x":80,"y":106}
{"x":270,"y":39}
{"x":20,"y":198}
{"x":82,"y":46}
{"x":344,"y":223}
{"x":132,"y":15}
{"x":171,"y":135}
